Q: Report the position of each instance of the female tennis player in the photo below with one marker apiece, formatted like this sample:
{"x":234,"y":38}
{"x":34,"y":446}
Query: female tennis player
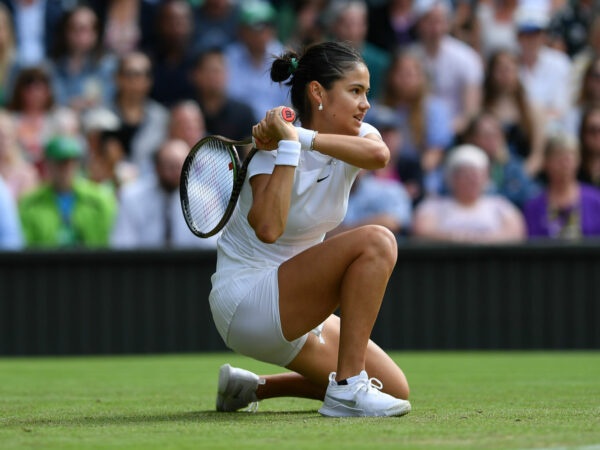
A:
{"x":277,"y":279}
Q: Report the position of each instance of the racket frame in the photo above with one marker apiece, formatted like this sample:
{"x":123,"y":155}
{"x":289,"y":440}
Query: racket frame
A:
{"x":239,"y":174}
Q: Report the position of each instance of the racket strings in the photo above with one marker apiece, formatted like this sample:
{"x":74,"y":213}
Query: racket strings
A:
{"x":210,"y":185}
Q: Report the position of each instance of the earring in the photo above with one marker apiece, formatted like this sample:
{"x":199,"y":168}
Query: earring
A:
{"x":320,"y":106}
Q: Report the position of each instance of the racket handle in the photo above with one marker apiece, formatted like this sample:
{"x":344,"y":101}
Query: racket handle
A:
{"x":288,"y":114}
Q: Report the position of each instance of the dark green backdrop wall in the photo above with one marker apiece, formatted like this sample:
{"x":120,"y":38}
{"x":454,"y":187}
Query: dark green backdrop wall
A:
{"x":535,"y":296}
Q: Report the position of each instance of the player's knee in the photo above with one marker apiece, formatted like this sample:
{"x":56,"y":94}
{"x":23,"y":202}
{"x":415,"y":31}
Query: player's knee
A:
{"x":382,"y":242}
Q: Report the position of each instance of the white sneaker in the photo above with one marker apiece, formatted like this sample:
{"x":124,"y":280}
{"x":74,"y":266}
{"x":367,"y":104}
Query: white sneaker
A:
{"x":360,"y":398}
{"x":237,"y":389}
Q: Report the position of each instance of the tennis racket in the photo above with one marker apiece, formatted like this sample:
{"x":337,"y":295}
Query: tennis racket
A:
{"x":211,"y":181}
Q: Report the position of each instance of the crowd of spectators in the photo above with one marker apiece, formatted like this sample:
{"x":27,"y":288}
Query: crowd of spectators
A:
{"x":491,"y":110}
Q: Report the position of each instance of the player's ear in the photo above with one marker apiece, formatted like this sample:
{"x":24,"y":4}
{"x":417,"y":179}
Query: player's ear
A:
{"x":315,"y":92}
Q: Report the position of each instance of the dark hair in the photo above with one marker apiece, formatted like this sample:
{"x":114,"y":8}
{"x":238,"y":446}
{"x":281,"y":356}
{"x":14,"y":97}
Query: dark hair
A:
{"x":61,"y":47}
{"x":590,"y":71}
{"x":473,"y":125}
{"x":26,"y":77}
{"x":491,"y":93}
{"x":201,"y":57}
{"x":587,"y":113}
{"x":325,"y":62}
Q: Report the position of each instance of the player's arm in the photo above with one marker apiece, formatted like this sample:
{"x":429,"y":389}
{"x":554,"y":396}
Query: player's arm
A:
{"x":271,"y":193}
{"x":367,"y":152}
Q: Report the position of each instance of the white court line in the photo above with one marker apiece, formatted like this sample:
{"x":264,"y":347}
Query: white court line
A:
{"x":584,"y":447}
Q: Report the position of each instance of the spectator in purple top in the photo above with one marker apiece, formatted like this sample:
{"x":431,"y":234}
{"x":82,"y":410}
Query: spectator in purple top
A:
{"x":567,"y":208}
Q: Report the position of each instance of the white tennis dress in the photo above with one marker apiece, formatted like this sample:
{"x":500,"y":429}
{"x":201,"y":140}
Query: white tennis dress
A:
{"x":245,"y":297}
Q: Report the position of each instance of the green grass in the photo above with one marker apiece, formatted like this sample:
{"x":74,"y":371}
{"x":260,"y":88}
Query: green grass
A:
{"x":461,"y":400}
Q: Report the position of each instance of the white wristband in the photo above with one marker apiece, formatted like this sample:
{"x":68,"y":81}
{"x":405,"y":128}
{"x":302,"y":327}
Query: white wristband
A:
{"x":305,"y":137}
{"x":288,"y":153}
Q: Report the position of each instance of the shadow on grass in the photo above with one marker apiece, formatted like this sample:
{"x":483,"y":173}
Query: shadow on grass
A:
{"x":176,"y":417}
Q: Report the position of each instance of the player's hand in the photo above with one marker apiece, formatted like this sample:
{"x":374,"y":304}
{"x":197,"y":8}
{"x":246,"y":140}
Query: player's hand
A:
{"x":274,"y":127}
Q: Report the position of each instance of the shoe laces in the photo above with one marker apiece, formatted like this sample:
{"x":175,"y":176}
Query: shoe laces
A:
{"x":368,"y":385}
{"x":252,"y":407}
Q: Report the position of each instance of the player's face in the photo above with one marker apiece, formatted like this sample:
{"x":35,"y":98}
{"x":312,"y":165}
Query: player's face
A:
{"x":345,"y":104}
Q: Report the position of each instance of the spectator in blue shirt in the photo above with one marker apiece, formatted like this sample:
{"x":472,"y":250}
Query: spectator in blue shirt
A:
{"x":35,"y":24}
{"x":380,"y":201}
{"x":249,"y":60}
{"x":11,"y":237}
{"x":82,"y":74}
{"x":216,"y":24}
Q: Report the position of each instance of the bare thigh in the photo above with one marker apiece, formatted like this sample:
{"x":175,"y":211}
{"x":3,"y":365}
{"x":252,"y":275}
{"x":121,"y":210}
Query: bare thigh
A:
{"x":310,"y":283}
{"x":317,"y":360}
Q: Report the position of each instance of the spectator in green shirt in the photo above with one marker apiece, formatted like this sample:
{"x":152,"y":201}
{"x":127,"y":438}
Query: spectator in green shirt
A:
{"x":68,"y":210}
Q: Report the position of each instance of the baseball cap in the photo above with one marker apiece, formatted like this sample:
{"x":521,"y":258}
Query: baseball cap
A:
{"x":257,"y":13}
{"x":530,"y":19}
{"x":60,"y":148}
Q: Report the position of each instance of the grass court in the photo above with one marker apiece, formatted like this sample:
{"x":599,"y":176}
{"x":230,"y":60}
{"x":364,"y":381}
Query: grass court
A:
{"x":461,"y":400}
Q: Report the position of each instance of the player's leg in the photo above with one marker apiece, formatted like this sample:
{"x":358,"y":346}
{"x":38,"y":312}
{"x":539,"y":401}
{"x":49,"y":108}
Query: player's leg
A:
{"x":317,"y":359}
{"x":350,"y":271}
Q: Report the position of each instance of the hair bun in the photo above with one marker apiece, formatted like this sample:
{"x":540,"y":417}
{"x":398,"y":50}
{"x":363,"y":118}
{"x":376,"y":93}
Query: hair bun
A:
{"x":284,"y":66}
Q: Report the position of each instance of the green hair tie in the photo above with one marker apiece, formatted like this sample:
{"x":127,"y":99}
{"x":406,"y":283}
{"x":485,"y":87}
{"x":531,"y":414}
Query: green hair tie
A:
{"x":293,"y":65}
